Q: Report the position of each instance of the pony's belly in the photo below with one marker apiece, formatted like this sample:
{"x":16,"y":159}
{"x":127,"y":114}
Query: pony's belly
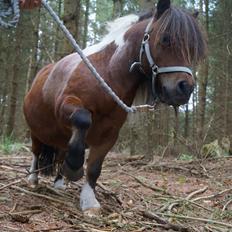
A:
{"x":51,"y":136}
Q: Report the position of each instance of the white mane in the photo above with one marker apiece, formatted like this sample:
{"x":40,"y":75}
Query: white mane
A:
{"x":117,"y":30}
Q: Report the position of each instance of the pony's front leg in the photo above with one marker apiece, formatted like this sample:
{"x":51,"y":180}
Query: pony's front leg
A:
{"x":88,"y":202}
{"x":80,"y":120}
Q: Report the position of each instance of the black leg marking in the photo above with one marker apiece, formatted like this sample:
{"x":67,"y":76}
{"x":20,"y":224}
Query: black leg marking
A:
{"x":94,"y":172}
{"x":81,"y":119}
{"x":73,"y":164}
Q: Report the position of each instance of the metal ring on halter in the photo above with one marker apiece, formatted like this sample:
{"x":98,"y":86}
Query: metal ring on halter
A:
{"x":146,"y":38}
{"x":155,"y":69}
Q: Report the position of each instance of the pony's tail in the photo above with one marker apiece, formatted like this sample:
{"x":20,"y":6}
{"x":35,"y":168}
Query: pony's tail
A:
{"x":47,"y":159}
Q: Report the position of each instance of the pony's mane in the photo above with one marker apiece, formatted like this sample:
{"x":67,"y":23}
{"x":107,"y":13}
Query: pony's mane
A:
{"x":185,"y":34}
{"x":116,"y":31}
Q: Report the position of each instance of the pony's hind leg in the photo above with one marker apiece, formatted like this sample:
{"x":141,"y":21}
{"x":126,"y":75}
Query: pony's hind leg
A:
{"x":59,"y":182}
{"x":42,"y":160}
{"x":36,"y":150}
{"x":33,"y":177}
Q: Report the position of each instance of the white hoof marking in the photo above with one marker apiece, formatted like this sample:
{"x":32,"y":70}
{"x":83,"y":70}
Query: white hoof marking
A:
{"x":33,"y":179}
{"x":59,"y":184}
{"x":88,"y":200}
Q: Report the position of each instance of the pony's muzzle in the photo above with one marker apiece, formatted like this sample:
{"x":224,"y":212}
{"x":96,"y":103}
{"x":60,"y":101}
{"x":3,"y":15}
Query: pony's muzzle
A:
{"x":184,"y":88}
{"x":72,"y":174}
{"x":175,"y":89}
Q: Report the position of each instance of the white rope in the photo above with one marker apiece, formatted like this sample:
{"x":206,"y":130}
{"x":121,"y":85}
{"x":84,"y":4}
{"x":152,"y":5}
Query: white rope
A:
{"x":86,"y":60}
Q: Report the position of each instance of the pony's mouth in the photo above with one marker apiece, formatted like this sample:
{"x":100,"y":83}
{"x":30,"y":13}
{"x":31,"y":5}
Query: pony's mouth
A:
{"x":173,"y":98}
{"x":174,"y":91}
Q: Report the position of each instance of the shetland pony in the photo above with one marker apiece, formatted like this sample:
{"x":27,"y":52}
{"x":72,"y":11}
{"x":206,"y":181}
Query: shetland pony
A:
{"x":67,"y":109}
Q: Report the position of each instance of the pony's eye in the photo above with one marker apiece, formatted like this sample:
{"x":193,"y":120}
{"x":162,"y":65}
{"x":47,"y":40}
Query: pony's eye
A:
{"x":165,"y":40}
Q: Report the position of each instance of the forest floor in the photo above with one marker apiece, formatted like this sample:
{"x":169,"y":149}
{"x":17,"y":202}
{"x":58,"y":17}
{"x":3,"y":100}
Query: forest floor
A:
{"x":163,"y":195}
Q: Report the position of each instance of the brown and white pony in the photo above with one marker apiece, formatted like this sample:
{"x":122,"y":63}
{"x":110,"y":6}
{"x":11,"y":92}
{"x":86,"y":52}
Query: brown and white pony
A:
{"x":67,"y":109}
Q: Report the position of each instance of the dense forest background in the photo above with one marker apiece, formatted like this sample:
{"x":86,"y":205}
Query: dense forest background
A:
{"x":202,"y":127}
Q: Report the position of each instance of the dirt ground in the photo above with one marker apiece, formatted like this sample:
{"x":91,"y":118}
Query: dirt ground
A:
{"x":163,"y":195}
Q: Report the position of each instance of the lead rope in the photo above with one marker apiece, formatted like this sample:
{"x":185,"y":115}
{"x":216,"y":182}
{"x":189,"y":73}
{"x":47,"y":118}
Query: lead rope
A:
{"x":104,"y":85}
{"x":9,"y":13}
{"x":9,"y":17}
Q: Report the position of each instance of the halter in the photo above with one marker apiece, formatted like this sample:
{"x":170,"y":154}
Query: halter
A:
{"x":156,"y":70}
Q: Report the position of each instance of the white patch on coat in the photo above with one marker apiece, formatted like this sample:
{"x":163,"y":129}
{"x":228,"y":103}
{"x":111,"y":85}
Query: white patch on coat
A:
{"x":117,"y":30}
{"x":61,"y":72}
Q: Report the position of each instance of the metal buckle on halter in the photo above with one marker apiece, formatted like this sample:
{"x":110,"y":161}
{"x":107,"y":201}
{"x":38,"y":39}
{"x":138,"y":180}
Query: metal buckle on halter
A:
{"x":154,"y":69}
{"x":146,"y":38}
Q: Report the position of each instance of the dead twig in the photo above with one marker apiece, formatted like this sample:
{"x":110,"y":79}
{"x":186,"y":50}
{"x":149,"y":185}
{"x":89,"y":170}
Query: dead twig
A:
{"x":164,"y":222}
{"x":20,"y":213}
{"x":198,"y":191}
{"x":206,"y":220}
{"x":40,"y":195}
{"x":109,"y":192}
{"x":213,"y":195}
{"x":8,"y":185}
{"x":149,"y":186}
{"x":226,"y":205}
{"x":191,"y":195}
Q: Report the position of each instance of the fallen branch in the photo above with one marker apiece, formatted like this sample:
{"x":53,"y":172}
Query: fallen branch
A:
{"x":213,"y":195}
{"x":20,"y":213}
{"x":196,"y":219}
{"x":40,"y":195}
{"x":149,"y":186}
{"x":226,"y":205}
{"x":167,"y":224}
{"x":187,"y":199}
{"x":109,"y":192}
{"x":199,"y":191}
{"x":8,"y":185}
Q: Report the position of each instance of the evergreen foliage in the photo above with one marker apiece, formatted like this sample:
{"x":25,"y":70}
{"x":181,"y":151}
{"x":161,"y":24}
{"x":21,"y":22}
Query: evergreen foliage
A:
{"x":37,"y":41}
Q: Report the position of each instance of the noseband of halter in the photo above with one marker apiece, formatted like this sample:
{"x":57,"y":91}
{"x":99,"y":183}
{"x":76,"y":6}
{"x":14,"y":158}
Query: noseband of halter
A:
{"x":156,"y":70}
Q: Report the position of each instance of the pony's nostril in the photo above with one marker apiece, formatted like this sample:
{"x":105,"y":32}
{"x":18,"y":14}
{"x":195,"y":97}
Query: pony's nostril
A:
{"x":184,"y":88}
{"x":164,"y":89}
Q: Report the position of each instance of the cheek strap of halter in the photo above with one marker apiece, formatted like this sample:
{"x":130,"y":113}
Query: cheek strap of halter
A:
{"x":156,"y":70}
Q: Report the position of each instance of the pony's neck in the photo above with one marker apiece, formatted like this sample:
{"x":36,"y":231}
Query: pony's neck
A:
{"x":122,"y":59}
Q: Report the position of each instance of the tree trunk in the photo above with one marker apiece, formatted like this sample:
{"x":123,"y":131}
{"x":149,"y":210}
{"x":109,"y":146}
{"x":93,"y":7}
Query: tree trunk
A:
{"x":117,"y":8}
{"x":85,"y":35}
{"x":203,"y":82}
{"x":72,"y":12}
{"x":14,"y":85}
{"x":146,"y":4}
{"x":186,"y":124}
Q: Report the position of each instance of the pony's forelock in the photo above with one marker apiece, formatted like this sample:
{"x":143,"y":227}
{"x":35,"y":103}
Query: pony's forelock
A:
{"x":186,"y":36}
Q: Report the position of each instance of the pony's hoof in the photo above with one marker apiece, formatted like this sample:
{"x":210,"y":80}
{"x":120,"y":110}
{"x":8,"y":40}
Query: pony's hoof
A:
{"x":59,"y":184}
{"x":92,"y":212}
{"x":33,"y":180}
{"x":71,"y":174}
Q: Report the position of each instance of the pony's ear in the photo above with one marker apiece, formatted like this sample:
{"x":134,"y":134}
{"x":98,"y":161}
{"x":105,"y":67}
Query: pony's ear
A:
{"x":162,"y":6}
{"x":195,"y":14}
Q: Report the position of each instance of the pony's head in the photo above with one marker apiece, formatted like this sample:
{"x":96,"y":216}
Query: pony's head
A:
{"x":176,"y":44}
